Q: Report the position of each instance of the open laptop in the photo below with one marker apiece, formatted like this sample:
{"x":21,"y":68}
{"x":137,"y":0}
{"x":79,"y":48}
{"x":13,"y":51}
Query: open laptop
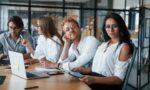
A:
{"x":18,"y":67}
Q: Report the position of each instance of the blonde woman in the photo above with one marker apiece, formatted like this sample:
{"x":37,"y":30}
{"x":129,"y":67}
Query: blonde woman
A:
{"x":49,"y":43}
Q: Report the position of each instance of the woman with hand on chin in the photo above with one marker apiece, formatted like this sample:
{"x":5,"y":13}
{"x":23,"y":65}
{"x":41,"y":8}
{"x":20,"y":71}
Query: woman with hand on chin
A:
{"x":49,"y":44}
{"x":111,"y":60}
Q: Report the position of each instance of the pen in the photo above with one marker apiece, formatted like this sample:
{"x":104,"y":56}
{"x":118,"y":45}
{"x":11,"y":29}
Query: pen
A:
{"x":21,"y":36}
{"x":31,"y":87}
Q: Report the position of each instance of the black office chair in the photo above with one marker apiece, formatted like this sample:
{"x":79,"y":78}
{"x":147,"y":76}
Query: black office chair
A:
{"x":124,"y":87}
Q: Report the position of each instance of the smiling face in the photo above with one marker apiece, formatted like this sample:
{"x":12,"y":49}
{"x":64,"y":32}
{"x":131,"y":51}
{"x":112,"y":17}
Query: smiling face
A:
{"x":71,"y":30}
{"x":112,"y":28}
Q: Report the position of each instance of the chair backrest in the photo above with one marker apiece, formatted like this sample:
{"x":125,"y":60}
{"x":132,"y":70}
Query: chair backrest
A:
{"x":124,"y":87}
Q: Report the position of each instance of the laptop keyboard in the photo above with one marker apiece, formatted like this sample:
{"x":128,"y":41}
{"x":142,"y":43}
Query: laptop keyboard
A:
{"x":2,"y":78}
{"x":29,"y":75}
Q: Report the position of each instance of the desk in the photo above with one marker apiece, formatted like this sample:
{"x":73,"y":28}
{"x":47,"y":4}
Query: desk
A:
{"x":54,"y":82}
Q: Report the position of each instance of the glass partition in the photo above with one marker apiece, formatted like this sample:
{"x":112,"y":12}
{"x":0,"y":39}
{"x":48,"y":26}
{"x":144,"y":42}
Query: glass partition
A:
{"x":7,"y":12}
{"x":14,"y":2}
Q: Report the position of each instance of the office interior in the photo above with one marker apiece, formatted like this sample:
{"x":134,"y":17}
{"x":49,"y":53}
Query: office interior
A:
{"x":90,"y":15}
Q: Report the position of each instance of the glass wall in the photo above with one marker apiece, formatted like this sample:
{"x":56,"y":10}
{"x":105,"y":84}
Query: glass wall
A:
{"x":7,"y":12}
{"x":146,"y":3}
{"x":10,"y":8}
{"x":89,"y":13}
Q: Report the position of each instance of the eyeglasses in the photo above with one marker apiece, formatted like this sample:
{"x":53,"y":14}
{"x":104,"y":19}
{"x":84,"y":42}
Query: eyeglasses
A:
{"x":14,"y":28}
{"x":114,"y":27}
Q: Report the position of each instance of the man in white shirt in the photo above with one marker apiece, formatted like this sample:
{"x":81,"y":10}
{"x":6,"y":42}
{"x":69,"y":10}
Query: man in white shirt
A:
{"x":78,"y":50}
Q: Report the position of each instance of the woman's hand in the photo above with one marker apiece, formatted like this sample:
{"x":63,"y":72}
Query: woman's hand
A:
{"x":30,"y":61}
{"x":48,"y":64}
{"x":25,"y":43}
{"x":88,"y":79}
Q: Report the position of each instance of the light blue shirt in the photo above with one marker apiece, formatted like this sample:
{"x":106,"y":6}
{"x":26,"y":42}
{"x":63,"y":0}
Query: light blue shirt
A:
{"x":7,"y":43}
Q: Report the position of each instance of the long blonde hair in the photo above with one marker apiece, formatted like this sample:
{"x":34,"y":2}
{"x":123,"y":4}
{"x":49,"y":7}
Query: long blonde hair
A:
{"x":48,"y":28}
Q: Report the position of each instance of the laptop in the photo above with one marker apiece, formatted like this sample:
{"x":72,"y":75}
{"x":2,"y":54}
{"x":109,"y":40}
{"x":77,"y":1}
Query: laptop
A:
{"x":18,"y":67}
{"x":17,"y":83}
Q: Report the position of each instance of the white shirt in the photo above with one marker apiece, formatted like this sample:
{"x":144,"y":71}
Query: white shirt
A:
{"x":106,"y":61}
{"x":83,"y":55}
{"x":48,"y":48}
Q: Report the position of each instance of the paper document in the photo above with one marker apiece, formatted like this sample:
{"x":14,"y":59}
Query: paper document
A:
{"x":46,"y":69}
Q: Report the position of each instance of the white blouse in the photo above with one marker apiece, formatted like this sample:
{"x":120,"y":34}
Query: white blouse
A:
{"x":107,"y":63}
{"x":48,"y":48}
{"x":83,"y":55}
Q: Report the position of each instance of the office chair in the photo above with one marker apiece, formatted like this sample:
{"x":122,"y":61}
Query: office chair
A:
{"x":124,"y":87}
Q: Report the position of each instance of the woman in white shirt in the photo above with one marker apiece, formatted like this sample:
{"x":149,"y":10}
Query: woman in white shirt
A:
{"x":112,"y":57}
{"x":49,"y":43}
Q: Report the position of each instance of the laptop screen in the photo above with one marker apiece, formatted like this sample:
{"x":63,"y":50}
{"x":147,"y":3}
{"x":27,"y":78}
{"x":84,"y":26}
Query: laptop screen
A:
{"x":17,"y":63}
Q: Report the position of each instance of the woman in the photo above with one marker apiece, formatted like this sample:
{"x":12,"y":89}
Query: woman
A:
{"x":112,"y":57}
{"x":11,"y":40}
{"x":49,"y":44}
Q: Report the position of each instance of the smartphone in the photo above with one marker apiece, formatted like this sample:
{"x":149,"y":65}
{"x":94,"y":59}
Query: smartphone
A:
{"x":54,"y":73}
{"x":76,"y":74}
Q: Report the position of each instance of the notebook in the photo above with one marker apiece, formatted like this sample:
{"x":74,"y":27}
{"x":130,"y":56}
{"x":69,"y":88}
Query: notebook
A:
{"x":49,"y":71}
{"x":18,"y":67}
{"x":42,"y":69}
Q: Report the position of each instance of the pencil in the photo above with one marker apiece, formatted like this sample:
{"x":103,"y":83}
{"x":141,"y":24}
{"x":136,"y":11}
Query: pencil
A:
{"x":31,"y":87}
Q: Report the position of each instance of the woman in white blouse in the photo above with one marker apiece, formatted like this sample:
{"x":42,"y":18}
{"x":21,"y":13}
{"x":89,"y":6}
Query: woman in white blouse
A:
{"x":112,"y":57}
{"x":49,"y":44}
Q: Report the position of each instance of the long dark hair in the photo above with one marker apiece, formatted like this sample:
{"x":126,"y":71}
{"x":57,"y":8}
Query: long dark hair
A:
{"x":124,"y":35}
